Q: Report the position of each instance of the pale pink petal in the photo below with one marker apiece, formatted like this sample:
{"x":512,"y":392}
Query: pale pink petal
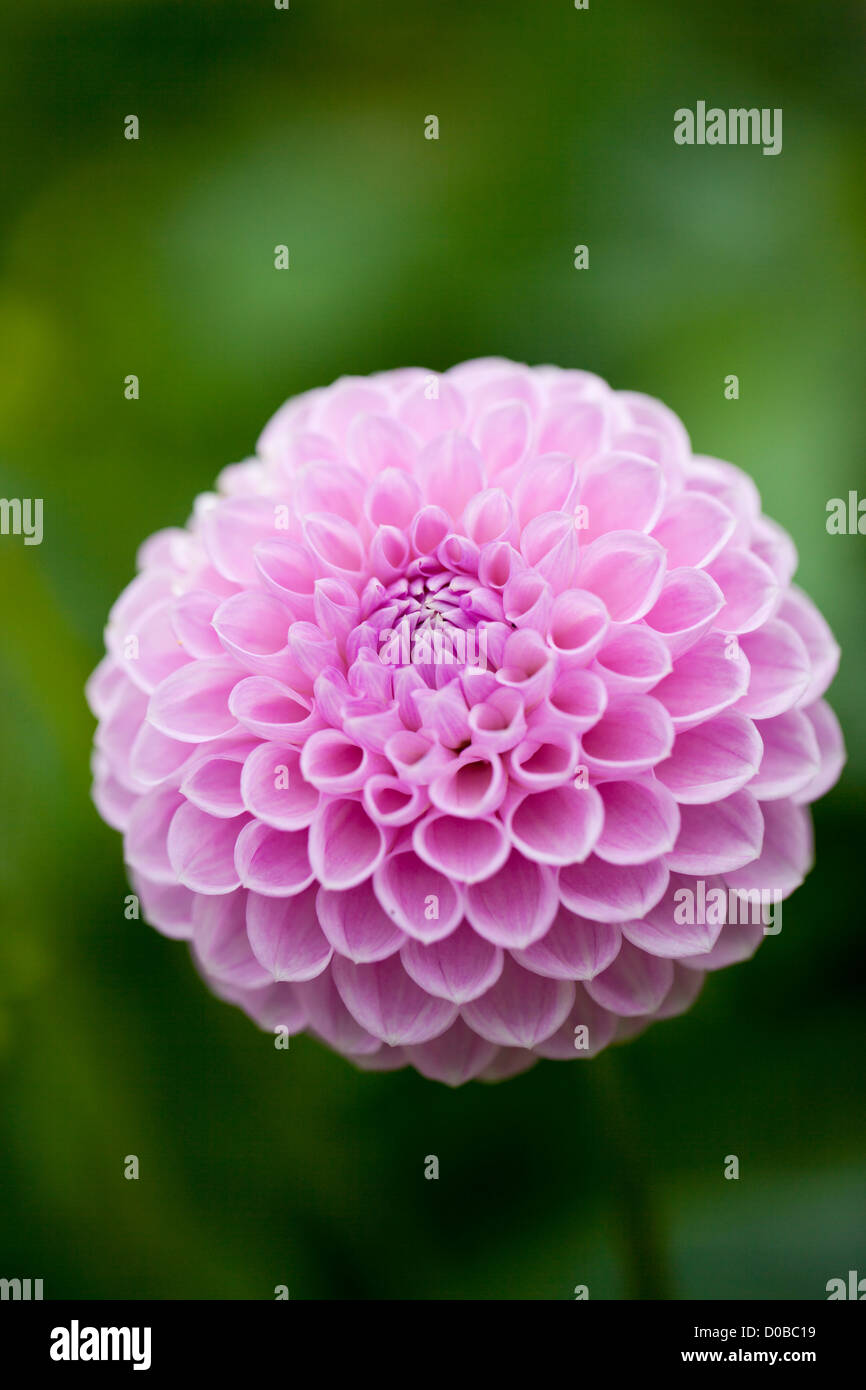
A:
{"x":718,"y":838}
{"x":345,"y":845}
{"x":573,"y":949}
{"x":386,"y":1002}
{"x":749,"y":587}
{"x":787,"y":853}
{"x":456,"y":1056}
{"x":558,"y":826}
{"x":707,"y":679}
{"x":693,"y":528}
{"x":516,"y":905}
{"x":460,"y":967}
{"x":686,"y":609}
{"x":632,"y":659}
{"x":274,"y":790}
{"x":635,"y":983}
{"x":831,"y":748}
{"x":422,"y":901}
{"x":221,"y":944}
{"x":521,"y":1009}
{"x":621,"y":492}
{"x":586,"y":1031}
{"x":634,"y":733}
{"x":285,"y":936}
{"x":791,"y":757}
{"x":275,"y":863}
{"x":712,"y":759}
{"x":641,"y":821}
{"x":611,"y":892}
{"x":626,"y":571}
{"x":780,"y":671}
{"x":356,"y":924}
{"x":192,"y":704}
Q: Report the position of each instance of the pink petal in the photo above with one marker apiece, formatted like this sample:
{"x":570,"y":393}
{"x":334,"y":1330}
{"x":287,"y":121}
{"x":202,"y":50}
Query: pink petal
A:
{"x":221,"y":944}
{"x":780,"y":670}
{"x":329,"y":1017}
{"x":713,"y":759}
{"x":662,"y":932}
{"x":587,"y":1023}
{"x":464,"y":849}
{"x":498,"y":723}
{"x":345,"y":845}
{"x":290,"y":573}
{"x":621,"y":492}
{"x":516,"y":905}
{"x":144,"y":845}
{"x":527,"y":666}
{"x":387,"y":1003}
{"x":192,"y":704}
{"x":626,"y":571}
{"x":634,"y":733}
{"x":573,"y":949}
{"x":274,"y":790}
{"x":521,"y":1009}
{"x":800,"y":612}
{"x":693,"y":528}
{"x":548,"y":484}
{"x":549,"y":544}
{"x":460,"y":967}
{"x":231,"y":528}
{"x":686,"y":609}
{"x":390,"y":801}
{"x":356,"y":924}
{"x":558,"y":826}
{"x":214,"y":785}
{"x":334,"y":544}
{"x":502,"y":435}
{"x":333,"y":763}
{"x":392,"y":499}
{"x":167,"y":906}
{"x":546,"y":757}
{"x":641,"y":821}
{"x":831,"y":747}
{"x":285,"y":936}
{"x":273,"y":711}
{"x":787,"y":853}
{"x":273,"y":862}
{"x":450,"y":472}
{"x":579,"y":697}
{"x":376,"y":443}
{"x":610,"y":892}
{"x":633,"y":659}
{"x":576,"y":428}
{"x":791,"y":757}
{"x":635,"y":983}
{"x":422,"y":901}
{"x":706,"y":680}
{"x":456,"y":1056}
{"x":749,"y":587}
{"x":719,"y":838}
{"x":428,"y":414}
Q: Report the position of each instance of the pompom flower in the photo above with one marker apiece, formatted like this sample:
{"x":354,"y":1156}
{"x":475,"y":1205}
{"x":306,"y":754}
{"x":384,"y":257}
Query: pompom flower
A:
{"x":471,"y":722}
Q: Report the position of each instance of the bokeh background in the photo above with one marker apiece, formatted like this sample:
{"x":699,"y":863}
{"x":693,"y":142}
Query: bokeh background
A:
{"x":305,"y":127}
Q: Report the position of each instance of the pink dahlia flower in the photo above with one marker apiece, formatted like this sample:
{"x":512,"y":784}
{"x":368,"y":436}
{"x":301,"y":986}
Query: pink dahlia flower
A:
{"x":445,"y":726}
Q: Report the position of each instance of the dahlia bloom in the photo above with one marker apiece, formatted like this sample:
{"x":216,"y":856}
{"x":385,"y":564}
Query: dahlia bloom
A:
{"x":435,"y":715}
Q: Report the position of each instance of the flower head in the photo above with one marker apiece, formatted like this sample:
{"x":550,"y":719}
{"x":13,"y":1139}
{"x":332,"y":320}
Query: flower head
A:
{"x":471,"y":722}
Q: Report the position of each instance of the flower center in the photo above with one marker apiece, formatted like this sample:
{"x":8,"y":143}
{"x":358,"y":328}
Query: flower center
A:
{"x":432,"y":616}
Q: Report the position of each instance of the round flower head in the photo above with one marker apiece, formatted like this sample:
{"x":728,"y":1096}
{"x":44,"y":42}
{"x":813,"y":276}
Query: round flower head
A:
{"x":471,"y":722}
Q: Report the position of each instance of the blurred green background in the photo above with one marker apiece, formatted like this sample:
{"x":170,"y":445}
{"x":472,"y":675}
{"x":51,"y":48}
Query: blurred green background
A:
{"x":305,"y":127}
